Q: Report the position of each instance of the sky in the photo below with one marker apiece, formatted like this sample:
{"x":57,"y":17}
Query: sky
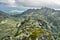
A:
{"x":8,"y":5}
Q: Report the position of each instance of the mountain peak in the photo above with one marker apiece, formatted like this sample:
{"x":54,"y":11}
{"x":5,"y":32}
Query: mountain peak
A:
{"x":47,"y":8}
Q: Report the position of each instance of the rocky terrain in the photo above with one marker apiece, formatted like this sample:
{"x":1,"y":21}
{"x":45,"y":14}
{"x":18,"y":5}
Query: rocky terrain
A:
{"x":32,"y":24}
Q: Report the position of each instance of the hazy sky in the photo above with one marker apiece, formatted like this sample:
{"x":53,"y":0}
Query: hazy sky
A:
{"x":30,"y":3}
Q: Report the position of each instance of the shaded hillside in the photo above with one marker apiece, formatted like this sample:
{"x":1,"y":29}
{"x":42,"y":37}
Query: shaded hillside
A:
{"x":3,"y":15}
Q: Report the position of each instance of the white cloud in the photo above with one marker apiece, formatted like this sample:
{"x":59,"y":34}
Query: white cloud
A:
{"x":34,"y":3}
{"x":9,"y":2}
{"x":16,"y":11}
{"x":39,"y":3}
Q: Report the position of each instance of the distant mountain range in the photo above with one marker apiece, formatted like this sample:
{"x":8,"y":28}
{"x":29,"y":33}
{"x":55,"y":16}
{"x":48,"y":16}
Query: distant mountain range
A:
{"x":44,"y":11}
